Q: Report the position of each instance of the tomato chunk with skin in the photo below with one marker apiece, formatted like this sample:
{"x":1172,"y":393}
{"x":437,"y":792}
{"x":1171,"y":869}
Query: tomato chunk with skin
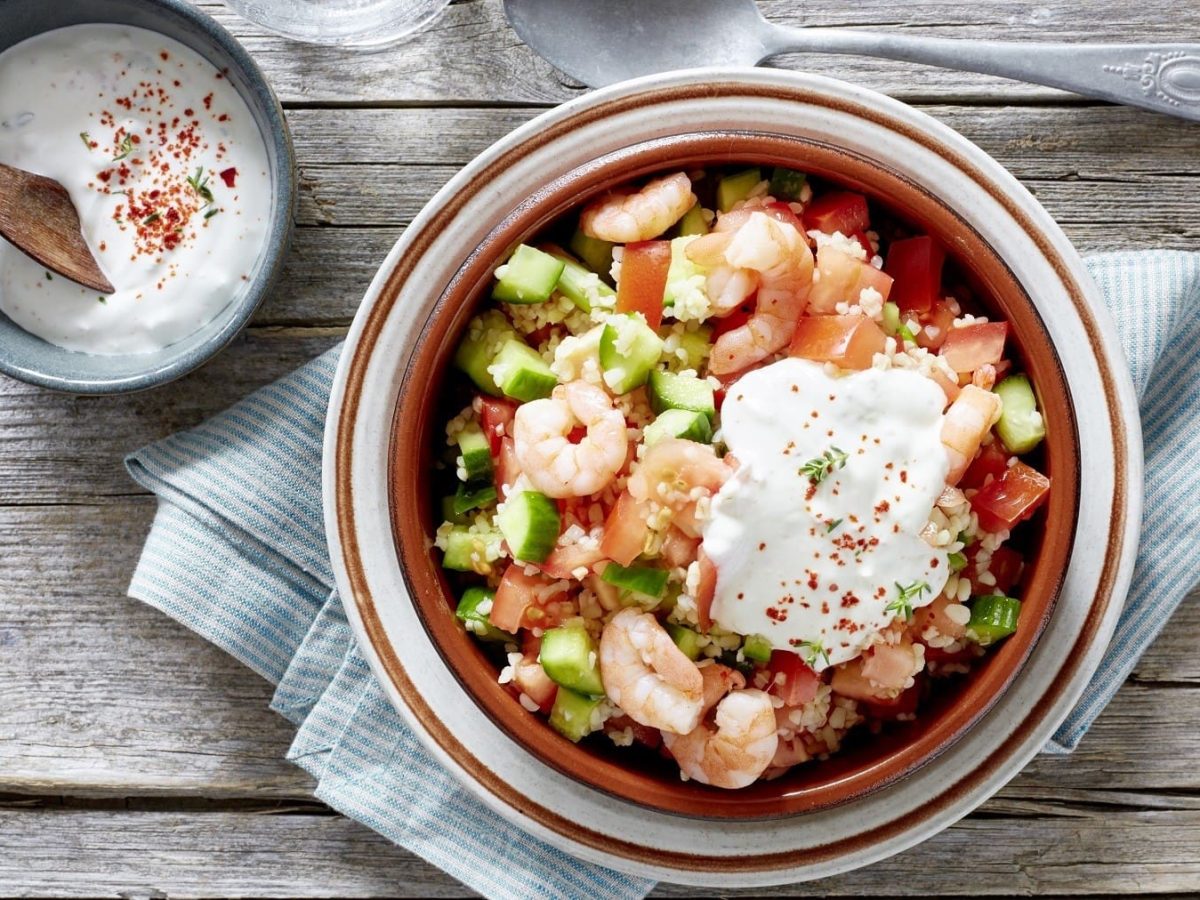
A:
{"x":507,"y":467}
{"x":530,"y":679}
{"x":1010,"y":499}
{"x":905,"y":704}
{"x":916,"y":265}
{"x":992,"y":460}
{"x":644,"y":279}
{"x":625,"y":530}
{"x":517,"y":595}
{"x":843,"y":279}
{"x":1005,"y":565}
{"x":969,"y":347}
{"x":496,"y":415}
{"x":935,"y":325}
{"x":843,"y":211}
{"x":847,"y":341}
{"x":792,"y":680}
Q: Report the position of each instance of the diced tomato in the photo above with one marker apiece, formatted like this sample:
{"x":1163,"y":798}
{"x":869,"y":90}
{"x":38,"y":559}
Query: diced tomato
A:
{"x":738,"y":317}
{"x":781,"y":212}
{"x":507,"y":467}
{"x":522,"y":601}
{"x":844,"y":278}
{"x":705,"y":590}
{"x":847,"y":341}
{"x":1010,"y":499}
{"x":916,"y":265}
{"x":625,"y":530}
{"x":971,"y":346}
{"x":792,"y":680}
{"x":949,"y":387}
{"x":964,"y":654}
{"x":992,"y":460}
{"x":678,"y":549}
{"x":864,"y":242}
{"x":563,"y":561}
{"x":904,"y":704}
{"x":939,"y":317}
{"x":842,"y":211}
{"x":643,"y":279}
{"x":1005,"y":565}
{"x":531,"y":680}
{"x":496,"y":416}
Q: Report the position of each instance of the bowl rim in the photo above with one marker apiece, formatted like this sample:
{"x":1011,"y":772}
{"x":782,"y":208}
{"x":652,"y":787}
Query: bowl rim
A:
{"x":281,"y":223}
{"x":1109,"y":574}
{"x":847,"y":776}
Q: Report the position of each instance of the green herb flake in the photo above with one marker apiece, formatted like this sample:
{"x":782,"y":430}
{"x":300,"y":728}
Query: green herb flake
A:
{"x":199,"y":183}
{"x":86,"y":138}
{"x":212,"y":212}
{"x":125,"y":149}
{"x":829,"y":526}
{"x":49,"y":277}
{"x":813,"y":651}
{"x":818,"y":468}
{"x":102,"y":299}
{"x":957,"y":562}
{"x":903,"y":604}
{"x":153,"y":217}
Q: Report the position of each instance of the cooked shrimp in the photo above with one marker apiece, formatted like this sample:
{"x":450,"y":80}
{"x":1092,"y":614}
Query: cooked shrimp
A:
{"x":677,"y":474}
{"x":740,"y":748}
{"x":781,"y":257}
{"x":650,"y":678}
{"x":623,"y":216}
{"x":556,"y":466}
{"x":719,"y":680}
{"x":967,"y":421}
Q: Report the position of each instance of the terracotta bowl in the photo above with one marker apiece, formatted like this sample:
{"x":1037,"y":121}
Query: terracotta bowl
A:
{"x":880,"y":793}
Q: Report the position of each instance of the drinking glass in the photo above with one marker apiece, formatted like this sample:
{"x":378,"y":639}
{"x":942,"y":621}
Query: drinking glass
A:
{"x":365,"y":24}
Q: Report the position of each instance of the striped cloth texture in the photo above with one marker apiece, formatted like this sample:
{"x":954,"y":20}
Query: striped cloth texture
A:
{"x":237,"y":553}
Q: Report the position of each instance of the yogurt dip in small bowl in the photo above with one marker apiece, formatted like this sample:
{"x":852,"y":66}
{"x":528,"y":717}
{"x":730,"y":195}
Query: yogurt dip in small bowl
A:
{"x":178,"y":159}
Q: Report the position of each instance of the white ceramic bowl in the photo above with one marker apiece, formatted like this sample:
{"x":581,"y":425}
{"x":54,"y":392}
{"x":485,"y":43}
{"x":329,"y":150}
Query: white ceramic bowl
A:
{"x":443,"y":241}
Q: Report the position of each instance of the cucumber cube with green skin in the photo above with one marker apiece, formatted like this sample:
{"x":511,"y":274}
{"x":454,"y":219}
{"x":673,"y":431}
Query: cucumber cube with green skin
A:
{"x":697,"y":345}
{"x":644,"y":580}
{"x":693,"y":222}
{"x":687,"y":282}
{"x":583,"y":287}
{"x":669,"y":390}
{"x":678,"y":423}
{"x":787,"y":184}
{"x":994,"y":617}
{"x":686,"y":640}
{"x":449,"y":514}
{"x":594,"y":253}
{"x":485,"y":336}
{"x":571,"y":715}
{"x":1021,"y":426}
{"x":529,"y":276}
{"x":530,"y":524}
{"x":521,"y":373}
{"x":468,"y":551}
{"x":467,"y":498}
{"x":571,"y":659}
{"x":475,"y":620}
{"x":757,"y":648}
{"x":736,"y":187}
{"x":629,"y":348}
{"x":476,"y":455}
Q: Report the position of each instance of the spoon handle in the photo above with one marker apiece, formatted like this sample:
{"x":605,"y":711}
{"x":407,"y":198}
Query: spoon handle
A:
{"x":1161,"y":77}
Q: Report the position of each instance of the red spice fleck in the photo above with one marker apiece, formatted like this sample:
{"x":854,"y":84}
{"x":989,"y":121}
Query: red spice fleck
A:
{"x":189,"y":112}
{"x":762,"y":546}
{"x":777,"y":615}
{"x":208,"y":101}
{"x":904,"y":476}
{"x":933,"y":563}
{"x":824,"y":608}
{"x":164,"y":55}
{"x":882,"y":506}
{"x":849,"y":600}
{"x":229,"y":176}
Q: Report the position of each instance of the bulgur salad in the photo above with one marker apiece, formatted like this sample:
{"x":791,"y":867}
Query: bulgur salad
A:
{"x":734,"y":472}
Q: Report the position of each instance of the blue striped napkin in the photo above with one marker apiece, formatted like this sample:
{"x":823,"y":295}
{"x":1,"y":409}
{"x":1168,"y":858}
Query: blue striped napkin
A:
{"x":237,"y":553}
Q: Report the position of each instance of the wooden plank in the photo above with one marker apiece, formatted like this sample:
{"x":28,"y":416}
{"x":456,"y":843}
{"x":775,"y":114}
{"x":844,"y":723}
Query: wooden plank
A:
{"x":469,"y":54}
{"x":118,"y":853}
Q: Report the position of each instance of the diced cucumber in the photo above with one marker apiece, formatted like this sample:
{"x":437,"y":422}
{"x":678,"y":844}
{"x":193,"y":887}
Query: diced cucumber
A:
{"x":521,"y":373}
{"x":756,"y":648}
{"x":787,"y":184}
{"x":467,"y":551}
{"x":697,"y":345}
{"x":679,"y":423}
{"x":529,"y":276}
{"x":693,"y":222}
{"x":894,"y":326}
{"x":595,"y":253}
{"x":571,"y":715}
{"x":583,"y":287}
{"x":686,"y":292}
{"x":994,"y":617}
{"x":736,"y":187}
{"x":475,"y":619}
{"x":571,"y":659}
{"x":486,"y":334}
{"x":476,"y":455}
{"x":686,"y":640}
{"x":629,"y":348}
{"x":449,"y":514}
{"x":530,"y":524}
{"x":467,"y":498}
{"x":1021,"y":426}
{"x":669,"y":390}
{"x":644,"y":583}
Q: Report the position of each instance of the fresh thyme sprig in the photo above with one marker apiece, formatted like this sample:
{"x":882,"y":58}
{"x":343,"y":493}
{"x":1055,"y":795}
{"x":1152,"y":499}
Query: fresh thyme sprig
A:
{"x":818,"y":468}
{"x":199,"y":183}
{"x":829,"y":526}
{"x":125,"y":149}
{"x":903,"y":604}
{"x":812,"y":652}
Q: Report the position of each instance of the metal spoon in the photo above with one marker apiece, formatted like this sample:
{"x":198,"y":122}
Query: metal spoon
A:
{"x":600,"y":43}
{"x":38,"y":218}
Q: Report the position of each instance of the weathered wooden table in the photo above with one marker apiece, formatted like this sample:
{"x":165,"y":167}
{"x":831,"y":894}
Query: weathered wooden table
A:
{"x":137,"y":760}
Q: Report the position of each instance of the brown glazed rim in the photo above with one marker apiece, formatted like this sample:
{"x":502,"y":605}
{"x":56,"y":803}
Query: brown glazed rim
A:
{"x":507,"y":794}
{"x":851,"y":773}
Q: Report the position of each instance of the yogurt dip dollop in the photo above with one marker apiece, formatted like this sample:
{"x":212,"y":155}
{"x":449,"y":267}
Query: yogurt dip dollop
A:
{"x":816,"y":537}
{"x":166,"y":167}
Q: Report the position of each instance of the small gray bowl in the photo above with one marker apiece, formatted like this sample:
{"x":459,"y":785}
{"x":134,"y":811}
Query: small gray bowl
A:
{"x":31,"y":359}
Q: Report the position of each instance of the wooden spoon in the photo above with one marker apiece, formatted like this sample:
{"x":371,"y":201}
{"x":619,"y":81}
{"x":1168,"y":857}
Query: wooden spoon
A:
{"x":38,"y":218}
